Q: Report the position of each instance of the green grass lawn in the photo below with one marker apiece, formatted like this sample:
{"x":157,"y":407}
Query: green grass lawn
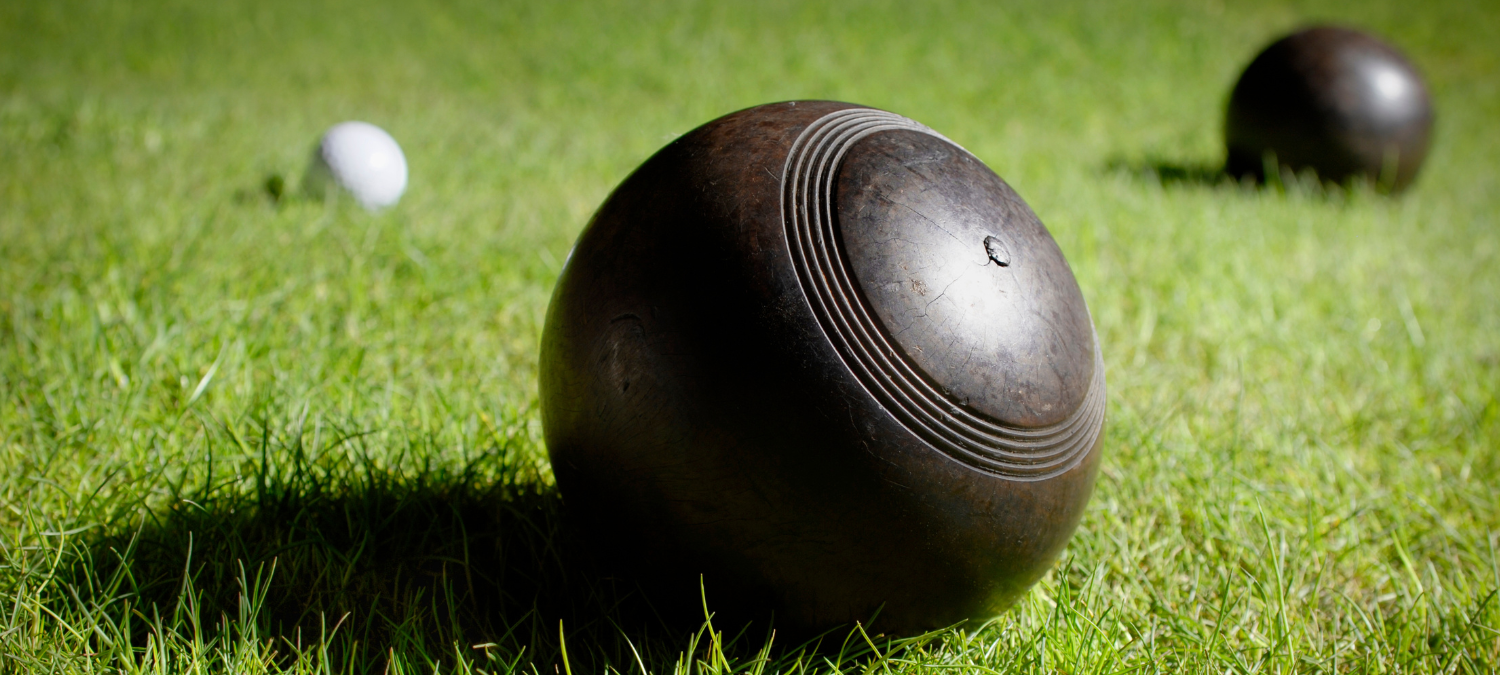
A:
{"x":246,"y":436}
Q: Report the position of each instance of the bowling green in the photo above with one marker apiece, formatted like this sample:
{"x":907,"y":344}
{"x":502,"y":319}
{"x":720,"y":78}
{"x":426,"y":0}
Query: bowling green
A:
{"x":247,"y":431}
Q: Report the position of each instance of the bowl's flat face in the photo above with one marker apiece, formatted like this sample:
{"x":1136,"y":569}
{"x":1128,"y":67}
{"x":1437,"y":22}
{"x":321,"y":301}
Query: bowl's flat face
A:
{"x":944,"y":293}
{"x":964,"y":279}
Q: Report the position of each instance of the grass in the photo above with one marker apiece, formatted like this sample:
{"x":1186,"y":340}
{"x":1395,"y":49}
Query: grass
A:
{"x":241,"y":435}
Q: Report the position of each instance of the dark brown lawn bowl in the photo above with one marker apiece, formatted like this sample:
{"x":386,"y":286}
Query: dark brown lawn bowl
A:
{"x":1333,"y":100}
{"x":826,"y":360}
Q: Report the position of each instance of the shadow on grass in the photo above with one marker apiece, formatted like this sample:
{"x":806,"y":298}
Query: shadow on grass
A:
{"x":1170,"y":174}
{"x":323,"y":549}
{"x":1175,"y":174}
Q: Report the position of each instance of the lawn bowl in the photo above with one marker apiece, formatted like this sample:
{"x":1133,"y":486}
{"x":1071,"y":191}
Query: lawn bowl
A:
{"x":826,"y":359}
{"x":361,"y":159}
{"x":1333,"y":100}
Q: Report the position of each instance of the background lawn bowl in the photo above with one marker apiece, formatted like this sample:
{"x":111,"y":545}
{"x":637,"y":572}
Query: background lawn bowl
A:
{"x":246,"y":435}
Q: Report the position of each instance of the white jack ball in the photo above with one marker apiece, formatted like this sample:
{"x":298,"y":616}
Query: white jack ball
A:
{"x":363,"y":160}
